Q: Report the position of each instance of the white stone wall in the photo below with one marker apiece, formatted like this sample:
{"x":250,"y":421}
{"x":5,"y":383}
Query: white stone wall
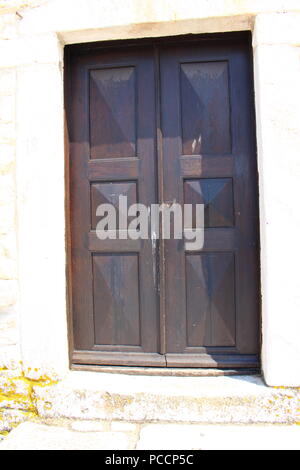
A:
{"x":32,"y":192}
{"x":9,"y":334}
{"x":277,"y":83}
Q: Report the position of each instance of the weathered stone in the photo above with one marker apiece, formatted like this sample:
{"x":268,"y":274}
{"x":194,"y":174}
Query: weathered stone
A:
{"x":8,"y":293}
{"x":7,"y":190}
{"x":197,"y":399}
{"x":7,"y":132}
{"x":8,"y":6}
{"x":9,"y":418}
{"x":8,"y":246}
{"x":7,"y":81}
{"x":8,"y":26}
{"x":31,"y":436}
{"x":123,"y":426}
{"x":8,"y":268}
{"x":11,"y":372}
{"x":35,"y":436}
{"x":7,"y":108}
{"x":10,"y":356}
{"x":216,"y":437}
{"x":9,"y":336}
{"x":16,"y":386}
{"x":89,"y":426}
{"x":15,"y":393}
{"x":7,"y":219}
{"x":277,"y":28}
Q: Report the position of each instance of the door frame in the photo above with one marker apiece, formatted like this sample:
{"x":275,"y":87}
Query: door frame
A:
{"x":41,"y":241}
{"x":123,"y":44}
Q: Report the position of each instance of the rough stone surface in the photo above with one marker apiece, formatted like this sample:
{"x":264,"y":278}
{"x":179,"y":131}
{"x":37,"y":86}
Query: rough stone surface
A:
{"x":10,"y":418}
{"x":196,"y":399}
{"x":123,"y":426}
{"x":278,"y":134}
{"x":9,"y":334}
{"x":89,"y":426}
{"x":31,"y":436}
{"x":16,"y":397}
{"x":194,"y":437}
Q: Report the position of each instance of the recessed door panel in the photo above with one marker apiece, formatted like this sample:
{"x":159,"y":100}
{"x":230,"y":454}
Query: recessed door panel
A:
{"x":205,"y":107}
{"x":112,"y":112}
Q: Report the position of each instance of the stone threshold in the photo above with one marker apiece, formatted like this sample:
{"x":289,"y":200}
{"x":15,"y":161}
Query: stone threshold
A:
{"x":137,"y":398}
{"x":165,"y":371}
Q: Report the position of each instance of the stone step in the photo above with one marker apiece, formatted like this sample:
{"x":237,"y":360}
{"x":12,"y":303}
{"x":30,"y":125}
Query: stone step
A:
{"x":136,"y":398}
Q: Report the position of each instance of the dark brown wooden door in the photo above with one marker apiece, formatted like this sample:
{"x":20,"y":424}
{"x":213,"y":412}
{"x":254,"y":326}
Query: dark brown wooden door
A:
{"x":211,"y":296}
{"x":113,"y":148}
{"x":164,"y":123}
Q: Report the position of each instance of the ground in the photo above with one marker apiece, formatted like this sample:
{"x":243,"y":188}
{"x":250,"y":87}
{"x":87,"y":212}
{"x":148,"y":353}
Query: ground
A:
{"x":119,"y":411}
{"x":116,"y":435}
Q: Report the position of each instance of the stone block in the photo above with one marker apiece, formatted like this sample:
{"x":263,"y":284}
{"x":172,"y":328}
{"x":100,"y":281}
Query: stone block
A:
{"x":10,"y":356}
{"x":277,"y":75}
{"x":7,"y":158}
{"x":33,"y":436}
{"x":8,"y":26}
{"x":7,"y":219}
{"x":7,"y":190}
{"x":210,"y":437}
{"x":7,"y":81}
{"x":15,"y":393}
{"x":196,"y":399}
{"x":10,"y":418}
{"x":8,"y":53}
{"x":31,"y":50}
{"x":8,"y":268}
{"x":7,"y":132}
{"x":123,"y":426}
{"x":8,"y":293}
{"x":275,"y":28}
{"x":9,"y":334}
{"x":8,"y":246}
{"x":7,"y":108}
{"x":15,"y":387}
{"x":89,"y":426}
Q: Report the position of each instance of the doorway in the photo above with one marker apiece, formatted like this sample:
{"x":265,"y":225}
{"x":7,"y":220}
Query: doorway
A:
{"x":164,"y":121}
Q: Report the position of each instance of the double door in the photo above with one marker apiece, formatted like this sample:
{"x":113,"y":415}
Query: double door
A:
{"x":162,"y":123}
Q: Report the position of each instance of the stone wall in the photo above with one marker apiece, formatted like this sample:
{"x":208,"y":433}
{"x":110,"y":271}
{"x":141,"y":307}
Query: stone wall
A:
{"x":32,"y":219}
{"x":276,"y":45}
{"x":10,"y":15}
{"x":8,"y":252}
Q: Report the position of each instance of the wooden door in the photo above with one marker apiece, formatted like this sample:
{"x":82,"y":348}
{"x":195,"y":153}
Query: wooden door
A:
{"x":211,"y":296}
{"x":160,"y":123}
{"x":112,"y":153}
